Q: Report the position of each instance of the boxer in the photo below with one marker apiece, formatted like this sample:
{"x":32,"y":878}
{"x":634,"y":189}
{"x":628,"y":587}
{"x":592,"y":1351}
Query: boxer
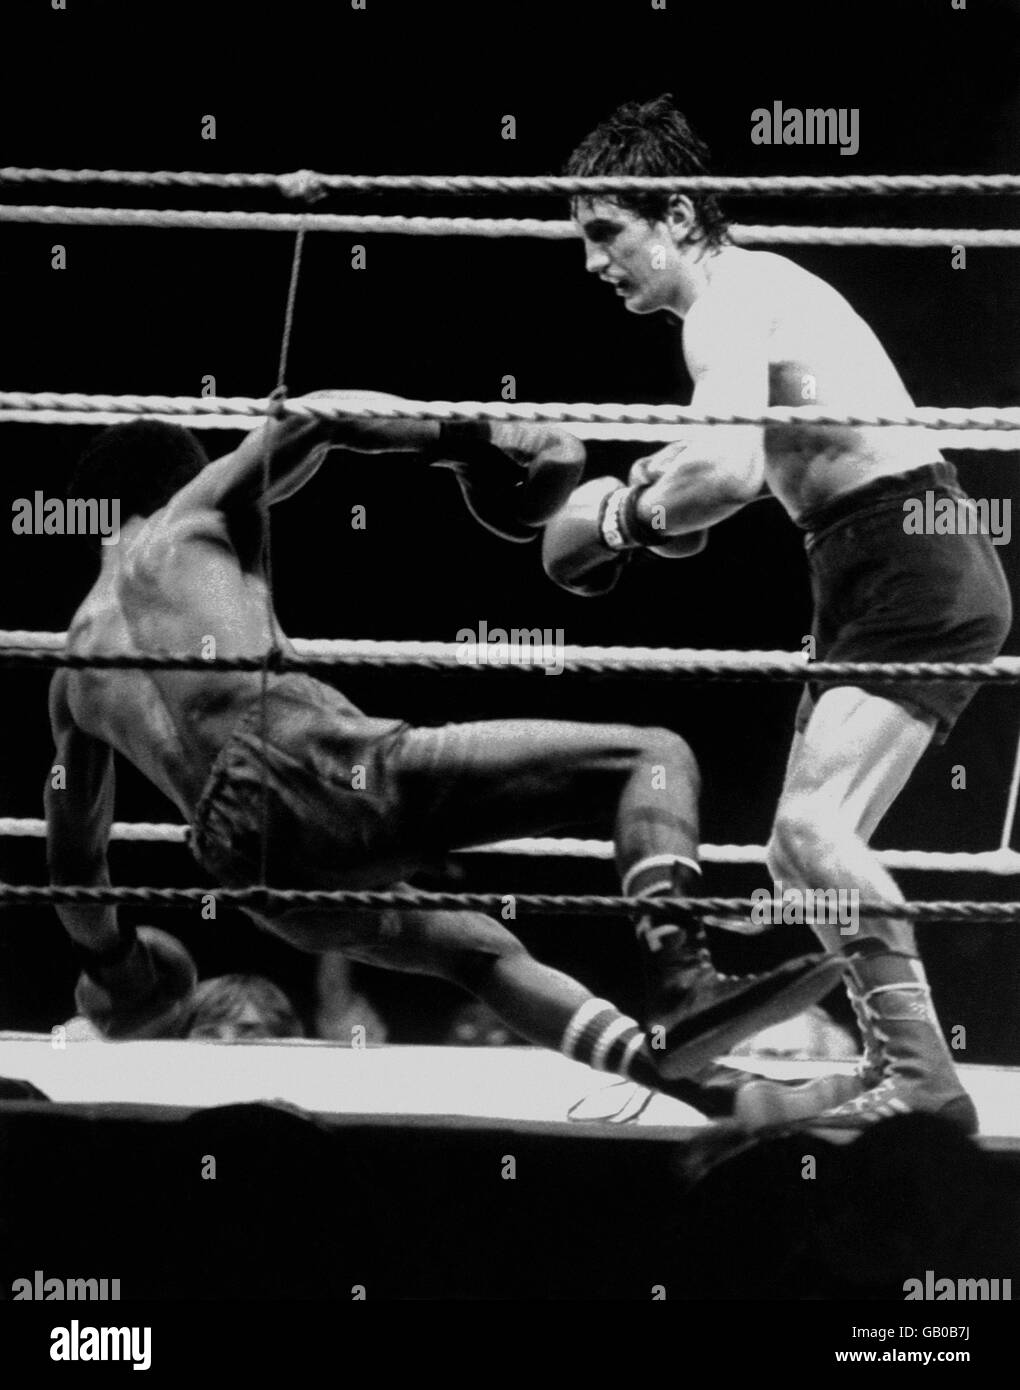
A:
{"x":760,"y":331}
{"x":282,"y":780}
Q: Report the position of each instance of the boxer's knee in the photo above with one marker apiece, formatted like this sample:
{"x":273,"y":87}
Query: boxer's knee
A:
{"x":661,"y":748}
{"x":804,"y":843}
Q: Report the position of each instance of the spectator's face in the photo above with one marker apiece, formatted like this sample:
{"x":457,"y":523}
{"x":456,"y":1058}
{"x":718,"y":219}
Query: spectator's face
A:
{"x":236,"y":1008}
{"x":245,"y":1024}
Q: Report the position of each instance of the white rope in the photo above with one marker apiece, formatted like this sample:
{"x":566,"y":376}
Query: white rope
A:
{"x":531,"y":227}
{"x":1011,"y":800}
{"x":987,"y":861}
{"x":304,"y":183}
{"x":518,"y":650}
{"x":154,"y":832}
{"x":913,"y":238}
{"x":536,"y":228}
{"x":980,"y":441}
{"x":1001,"y":861}
{"x":982,"y":419}
{"x":453,"y":654}
{"x":995,"y":431}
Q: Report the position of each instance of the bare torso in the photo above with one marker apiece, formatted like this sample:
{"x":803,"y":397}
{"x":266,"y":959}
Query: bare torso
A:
{"x":820,"y":353}
{"x":186,"y":587}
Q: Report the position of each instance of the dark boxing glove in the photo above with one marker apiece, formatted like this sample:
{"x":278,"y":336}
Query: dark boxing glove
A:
{"x":148,"y":994}
{"x":575,"y":554}
{"x":514,"y":476}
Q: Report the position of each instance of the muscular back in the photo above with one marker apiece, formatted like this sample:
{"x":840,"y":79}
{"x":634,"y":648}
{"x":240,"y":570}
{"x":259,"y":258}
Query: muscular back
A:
{"x":188,"y":579}
{"x":181,"y":583}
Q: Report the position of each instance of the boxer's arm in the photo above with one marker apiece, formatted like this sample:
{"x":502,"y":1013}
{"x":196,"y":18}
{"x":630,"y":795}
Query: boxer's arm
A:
{"x":274,"y":460}
{"x":79,"y":810}
{"x":279,"y":457}
{"x":79,"y":800}
{"x":715,"y":470}
{"x":375,"y":436}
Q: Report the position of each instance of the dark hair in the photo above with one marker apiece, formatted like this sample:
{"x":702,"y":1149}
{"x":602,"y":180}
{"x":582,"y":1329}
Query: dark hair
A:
{"x":651,"y":139}
{"x":141,"y":463}
{"x":220,"y":1003}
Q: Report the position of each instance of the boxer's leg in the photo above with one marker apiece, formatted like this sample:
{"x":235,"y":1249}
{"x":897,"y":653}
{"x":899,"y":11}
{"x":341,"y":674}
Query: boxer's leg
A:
{"x":850,"y":764}
{"x":538,"y":1003}
{"x":467,"y":784}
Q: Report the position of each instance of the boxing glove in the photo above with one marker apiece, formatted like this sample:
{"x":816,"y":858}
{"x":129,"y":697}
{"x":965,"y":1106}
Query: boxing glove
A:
{"x":574,"y":554}
{"x":514,"y":476}
{"x":147,"y":995}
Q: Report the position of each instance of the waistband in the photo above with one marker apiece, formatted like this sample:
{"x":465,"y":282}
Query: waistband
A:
{"x":890,"y":488}
{"x":291,"y":687}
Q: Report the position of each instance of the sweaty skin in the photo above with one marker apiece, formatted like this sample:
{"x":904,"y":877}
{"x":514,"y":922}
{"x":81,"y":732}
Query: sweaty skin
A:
{"x":811,"y":348}
{"x":188,"y":573}
{"x":758,"y":331}
{"x":190,"y":579}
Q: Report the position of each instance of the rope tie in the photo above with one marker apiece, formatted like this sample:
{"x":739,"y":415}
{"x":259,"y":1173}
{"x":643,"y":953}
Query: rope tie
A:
{"x":303,"y":184}
{"x":277,"y":409}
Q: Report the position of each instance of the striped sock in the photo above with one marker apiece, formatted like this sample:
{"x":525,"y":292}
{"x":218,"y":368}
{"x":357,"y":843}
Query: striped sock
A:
{"x":666,"y":947}
{"x":660,"y":875}
{"x":599,"y":1035}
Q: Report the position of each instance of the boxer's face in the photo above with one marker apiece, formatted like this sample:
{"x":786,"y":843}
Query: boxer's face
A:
{"x":638,"y":258}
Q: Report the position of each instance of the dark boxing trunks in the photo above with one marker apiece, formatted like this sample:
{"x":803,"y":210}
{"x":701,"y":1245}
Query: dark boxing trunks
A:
{"x":348,"y":801}
{"x":306,"y":772}
{"x":881,"y":594}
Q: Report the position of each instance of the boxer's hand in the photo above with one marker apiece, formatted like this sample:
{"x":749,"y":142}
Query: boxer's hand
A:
{"x":148,"y":995}
{"x":649,"y":470}
{"x":574,"y":555}
{"x":514,"y":476}
{"x":680,"y":547}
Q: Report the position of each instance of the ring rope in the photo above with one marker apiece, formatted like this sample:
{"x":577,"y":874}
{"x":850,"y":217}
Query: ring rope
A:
{"x":466,"y":659}
{"x":375,"y":901}
{"x":306,"y":183}
{"x":589,"y":904}
{"x":988,"y":419}
{"x":20,"y":647}
{"x":403,"y":653}
{"x":1009,"y":816}
{"x":278,"y":400}
{"x":1001,"y":861}
{"x":974,"y":440}
{"x":545,"y":229}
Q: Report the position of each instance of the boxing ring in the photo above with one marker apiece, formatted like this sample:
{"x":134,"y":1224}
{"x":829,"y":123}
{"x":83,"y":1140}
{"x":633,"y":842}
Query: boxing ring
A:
{"x":499,"y":1092}
{"x":490,"y":1085}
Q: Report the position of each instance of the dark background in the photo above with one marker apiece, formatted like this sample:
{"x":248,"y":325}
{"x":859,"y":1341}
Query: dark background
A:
{"x":423,"y":88}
